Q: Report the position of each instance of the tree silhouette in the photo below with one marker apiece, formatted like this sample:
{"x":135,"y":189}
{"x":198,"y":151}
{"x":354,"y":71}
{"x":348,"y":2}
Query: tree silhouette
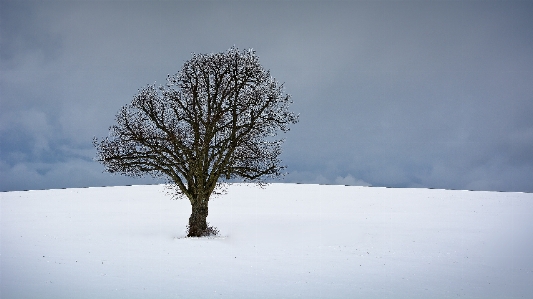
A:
{"x":214,"y":121}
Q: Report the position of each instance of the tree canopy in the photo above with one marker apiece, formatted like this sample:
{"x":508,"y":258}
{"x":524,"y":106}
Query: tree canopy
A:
{"x":215,"y":120}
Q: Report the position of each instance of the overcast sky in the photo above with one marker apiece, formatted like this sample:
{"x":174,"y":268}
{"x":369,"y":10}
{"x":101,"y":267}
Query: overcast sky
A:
{"x":434,"y":94}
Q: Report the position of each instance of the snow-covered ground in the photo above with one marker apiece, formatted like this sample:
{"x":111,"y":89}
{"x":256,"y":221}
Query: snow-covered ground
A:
{"x":285,"y":241}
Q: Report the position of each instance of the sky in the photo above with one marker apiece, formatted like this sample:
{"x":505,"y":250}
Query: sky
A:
{"x":426,"y":94}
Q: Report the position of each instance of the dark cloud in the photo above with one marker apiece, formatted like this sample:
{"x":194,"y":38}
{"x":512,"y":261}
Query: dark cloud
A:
{"x":390,"y":93}
{"x":23,"y":33}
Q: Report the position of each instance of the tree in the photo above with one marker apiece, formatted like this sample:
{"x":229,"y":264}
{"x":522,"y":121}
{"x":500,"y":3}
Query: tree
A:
{"x":214,"y":121}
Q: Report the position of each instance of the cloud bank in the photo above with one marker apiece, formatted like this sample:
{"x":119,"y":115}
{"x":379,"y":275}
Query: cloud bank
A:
{"x":403,"y":94}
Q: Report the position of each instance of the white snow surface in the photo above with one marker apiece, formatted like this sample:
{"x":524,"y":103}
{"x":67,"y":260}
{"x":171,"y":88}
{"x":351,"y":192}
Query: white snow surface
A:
{"x":284,"y":241}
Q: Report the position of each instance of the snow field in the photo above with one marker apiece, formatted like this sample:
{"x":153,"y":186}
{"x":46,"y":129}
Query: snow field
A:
{"x":284,"y":241}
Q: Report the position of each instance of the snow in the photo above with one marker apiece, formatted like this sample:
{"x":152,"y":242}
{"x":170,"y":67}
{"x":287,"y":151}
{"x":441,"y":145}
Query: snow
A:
{"x":284,"y":241}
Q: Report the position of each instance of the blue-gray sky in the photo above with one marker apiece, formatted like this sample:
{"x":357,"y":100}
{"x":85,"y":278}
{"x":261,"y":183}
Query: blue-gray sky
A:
{"x":432,"y":94}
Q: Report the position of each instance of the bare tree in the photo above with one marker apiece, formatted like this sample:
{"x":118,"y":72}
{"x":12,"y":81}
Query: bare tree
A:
{"x":214,"y":121}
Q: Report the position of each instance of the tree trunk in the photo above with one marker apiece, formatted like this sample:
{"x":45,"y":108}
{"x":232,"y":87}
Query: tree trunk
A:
{"x":198,"y":219}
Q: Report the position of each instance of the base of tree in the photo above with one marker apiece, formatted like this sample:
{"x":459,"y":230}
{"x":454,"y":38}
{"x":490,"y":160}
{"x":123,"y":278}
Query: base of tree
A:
{"x":218,"y":237}
{"x":210,"y":231}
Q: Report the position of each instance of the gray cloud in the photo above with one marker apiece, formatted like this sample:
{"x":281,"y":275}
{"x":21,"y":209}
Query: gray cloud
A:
{"x":403,"y":93}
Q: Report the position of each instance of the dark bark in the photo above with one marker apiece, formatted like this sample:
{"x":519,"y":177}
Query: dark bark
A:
{"x":198,"y":219}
